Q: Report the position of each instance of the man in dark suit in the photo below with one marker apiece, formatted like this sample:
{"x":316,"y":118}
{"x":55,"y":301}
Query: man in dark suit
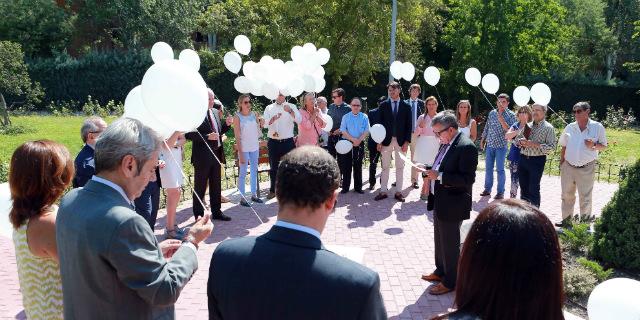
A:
{"x":452,"y":177}
{"x":395,"y":116}
{"x":417,"y":108}
{"x":374,"y":154}
{"x":287,"y":273}
{"x":207,"y":169}
{"x":84,"y":163}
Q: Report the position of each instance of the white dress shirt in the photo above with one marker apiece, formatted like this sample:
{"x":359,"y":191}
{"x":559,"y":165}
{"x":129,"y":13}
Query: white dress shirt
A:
{"x":577,"y":153}
{"x":114,"y":186}
{"x":284,"y":125}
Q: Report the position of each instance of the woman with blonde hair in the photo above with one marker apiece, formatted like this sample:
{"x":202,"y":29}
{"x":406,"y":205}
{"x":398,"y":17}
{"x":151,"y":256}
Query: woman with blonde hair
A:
{"x":247,"y":127}
{"x":310,"y":127}
{"x":466,"y":124}
{"x":39,"y":173}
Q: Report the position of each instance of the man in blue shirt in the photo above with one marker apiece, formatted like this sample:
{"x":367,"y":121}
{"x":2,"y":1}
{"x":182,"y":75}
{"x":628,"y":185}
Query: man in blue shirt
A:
{"x":91,"y":129}
{"x":494,"y":142}
{"x":354,"y":127}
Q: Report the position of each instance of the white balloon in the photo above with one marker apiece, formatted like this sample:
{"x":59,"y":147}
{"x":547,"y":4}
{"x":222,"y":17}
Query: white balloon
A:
{"x":396,"y":69}
{"x":408,"y":71}
{"x":242,"y":84}
{"x":247,"y":69}
{"x":328,"y":122}
{"x":320,"y":84}
{"x":309,"y":83}
{"x":473,"y":77}
{"x":319,"y":73}
{"x":432,"y":75}
{"x":541,"y":94}
{"x":344,"y":146}
{"x":293,"y":69}
{"x":134,"y":108}
{"x":266,"y":59}
{"x":323,"y":55}
{"x":242,"y":44}
{"x":295,"y":87}
{"x":615,"y":299}
{"x":261,"y":71}
{"x":161,"y":51}
{"x":176,"y":95}
{"x":490,"y":83}
{"x":521,"y":96}
{"x":270,"y":91}
{"x":232,"y":61}
{"x":310,"y":62}
{"x":296,"y":53}
{"x":190,"y":59}
{"x":378,"y":133}
{"x":256,"y":87}
{"x":309,"y":48}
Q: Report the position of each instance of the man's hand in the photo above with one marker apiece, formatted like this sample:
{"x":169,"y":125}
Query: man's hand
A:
{"x":432,"y":174}
{"x":379,"y":147}
{"x":162,"y":164}
{"x":356,"y":142}
{"x":337,"y":132}
{"x":274,"y":118}
{"x":201,"y":229}
{"x":405,"y":147}
{"x":482,"y":144}
{"x":589,"y":143}
{"x":213,"y":136}
{"x":169,"y":247}
{"x":287,"y":108}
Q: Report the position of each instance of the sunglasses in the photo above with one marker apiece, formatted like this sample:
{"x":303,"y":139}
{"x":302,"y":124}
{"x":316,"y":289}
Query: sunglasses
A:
{"x":437,"y":133}
{"x":245,"y":102}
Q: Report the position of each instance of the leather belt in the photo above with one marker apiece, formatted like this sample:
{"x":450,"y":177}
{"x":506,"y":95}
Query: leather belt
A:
{"x":280,"y":140}
{"x":582,"y":166}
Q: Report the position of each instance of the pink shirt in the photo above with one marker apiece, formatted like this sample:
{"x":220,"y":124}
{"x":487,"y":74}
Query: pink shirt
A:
{"x":307,"y":134}
{"x":427,"y":130}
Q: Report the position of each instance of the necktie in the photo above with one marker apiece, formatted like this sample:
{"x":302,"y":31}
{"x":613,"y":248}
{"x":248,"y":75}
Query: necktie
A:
{"x":441,"y":152}
{"x":395,"y":108}
{"x":413,"y":110}
{"x":214,"y":126}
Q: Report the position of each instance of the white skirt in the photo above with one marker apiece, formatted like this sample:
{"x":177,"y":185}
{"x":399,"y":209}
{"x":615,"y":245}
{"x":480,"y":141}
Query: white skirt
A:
{"x":171,"y":174}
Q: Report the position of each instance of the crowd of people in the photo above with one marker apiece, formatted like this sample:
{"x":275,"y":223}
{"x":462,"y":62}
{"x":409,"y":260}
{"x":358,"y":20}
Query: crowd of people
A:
{"x":96,"y":254}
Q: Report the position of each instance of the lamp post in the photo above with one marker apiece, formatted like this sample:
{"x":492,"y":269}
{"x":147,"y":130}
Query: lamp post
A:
{"x":392,"y":56}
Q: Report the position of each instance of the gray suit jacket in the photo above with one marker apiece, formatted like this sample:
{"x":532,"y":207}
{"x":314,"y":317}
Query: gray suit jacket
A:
{"x":110,"y":263}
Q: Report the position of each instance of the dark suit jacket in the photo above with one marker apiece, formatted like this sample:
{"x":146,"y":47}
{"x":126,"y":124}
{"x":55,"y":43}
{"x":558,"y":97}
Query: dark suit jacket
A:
{"x":401,"y":124}
{"x":85,"y":166}
{"x":200,"y":154}
{"x":287,"y":274}
{"x":374,"y":118}
{"x":420,"y":108}
{"x":452,"y":199}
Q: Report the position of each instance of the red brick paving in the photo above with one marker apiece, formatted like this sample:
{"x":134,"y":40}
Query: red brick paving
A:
{"x":397,"y":239}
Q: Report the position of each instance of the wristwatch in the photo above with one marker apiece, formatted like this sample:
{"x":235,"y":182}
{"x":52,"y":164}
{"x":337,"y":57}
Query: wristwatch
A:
{"x":192,"y":239}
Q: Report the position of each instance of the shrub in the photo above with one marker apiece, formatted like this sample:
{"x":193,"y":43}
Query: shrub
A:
{"x":4,"y":171}
{"x":578,"y":281}
{"x":93,"y":107}
{"x":598,"y":271}
{"x":577,"y":239}
{"x":617,"y":118}
{"x":617,"y":235}
{"x":13,"y":130}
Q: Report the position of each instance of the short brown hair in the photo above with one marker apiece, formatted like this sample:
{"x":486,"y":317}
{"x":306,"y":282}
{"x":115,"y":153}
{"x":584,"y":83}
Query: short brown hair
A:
{"x":339,"y":92}
{"x":40,"y":171}
{"x":394,"y":84}
{"x":415,"y":86}
{"x":430,"y":98}
{"x":526,"y":109}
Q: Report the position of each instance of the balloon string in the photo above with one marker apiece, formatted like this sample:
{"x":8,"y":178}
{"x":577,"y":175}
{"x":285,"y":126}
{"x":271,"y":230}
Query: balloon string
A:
{"x":438,"y":93}
{"x":242,"y":195}
{"x":485,"y":97}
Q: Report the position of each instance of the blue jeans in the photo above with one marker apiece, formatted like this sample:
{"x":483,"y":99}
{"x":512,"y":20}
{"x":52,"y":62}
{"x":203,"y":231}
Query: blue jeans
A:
{"x":497,"y":156}
{"x":252,"y":158}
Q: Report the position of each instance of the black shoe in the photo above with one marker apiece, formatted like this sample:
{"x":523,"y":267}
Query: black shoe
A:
{"x":499,"y":196}
{"x":371,"y":187}
{"x":244,"y":203}
{"x":393,"y":184}
{"x":485,"y":193}
{"x":566,"y":223}
{"x":256,"y":199}
{"x":359,"y":191}
{"x":221,"y":216}
{"x":415,"y":185}
{"x":343,"y":191}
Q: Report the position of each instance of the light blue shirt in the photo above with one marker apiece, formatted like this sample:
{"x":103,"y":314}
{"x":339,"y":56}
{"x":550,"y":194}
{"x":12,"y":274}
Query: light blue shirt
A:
{"x":298,"y":227}
{"x":114,"y":186}
{"x":355,"y":125}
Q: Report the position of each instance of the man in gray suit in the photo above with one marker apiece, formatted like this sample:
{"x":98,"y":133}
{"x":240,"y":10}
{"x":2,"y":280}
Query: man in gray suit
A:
{"x":111,"y":265}
{"x":287,"y":273}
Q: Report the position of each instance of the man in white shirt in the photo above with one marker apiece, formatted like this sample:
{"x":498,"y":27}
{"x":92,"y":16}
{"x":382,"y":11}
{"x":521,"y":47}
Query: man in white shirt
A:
{"x":279,"y":118}
{"x":417,"y":108}
{"x":581,"y":141}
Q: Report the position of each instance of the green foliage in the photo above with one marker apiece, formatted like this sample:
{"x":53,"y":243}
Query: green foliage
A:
{"x":104,"y":76}
{"x":596,"y":269}
{"x":578,"y":238}
{"x":620,"y":15}
{"x":93,"y":108}
{"x":41,"y":26}
{"x":13,"y":130}
{"x":617,"y":236}
{"x":14,"y":79}
{"x":4,"y":171}
{"x":559,"y":120}
{"x":617,"y":118}
{"x":578,"y":281}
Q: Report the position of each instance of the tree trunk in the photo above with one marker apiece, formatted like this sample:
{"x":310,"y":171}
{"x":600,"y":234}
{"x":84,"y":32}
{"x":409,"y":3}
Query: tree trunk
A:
{"x":4,"y":111}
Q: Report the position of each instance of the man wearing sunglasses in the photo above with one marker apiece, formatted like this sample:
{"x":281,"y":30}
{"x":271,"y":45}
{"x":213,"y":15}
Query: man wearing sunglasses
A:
{"x":581,"y":141}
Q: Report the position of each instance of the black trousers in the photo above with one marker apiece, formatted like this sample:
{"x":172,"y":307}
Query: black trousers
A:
{"x":148,"y":202}
{"x":446,"y":235}
{"x":352,"y":161}
{"x":374,"y":158}
{"x":530,"y":171}
{"x":277,"y":149}
{"x":207,"y":173}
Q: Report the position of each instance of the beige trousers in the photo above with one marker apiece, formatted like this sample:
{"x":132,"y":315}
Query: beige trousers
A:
{"x":412,"y":147}
{"x":577,"y":178}
{"x":386,"y":164}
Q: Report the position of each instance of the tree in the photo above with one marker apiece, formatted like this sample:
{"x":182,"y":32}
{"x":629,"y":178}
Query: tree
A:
{"x":515,"y":39}
{"x":355,"y":32}
{"x":39,"y":25}
{"x":14,"y":79}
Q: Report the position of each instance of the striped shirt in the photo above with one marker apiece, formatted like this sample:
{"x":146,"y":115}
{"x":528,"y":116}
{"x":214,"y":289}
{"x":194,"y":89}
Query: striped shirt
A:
{"x":543,"y":133}
{"x":493,"y":132}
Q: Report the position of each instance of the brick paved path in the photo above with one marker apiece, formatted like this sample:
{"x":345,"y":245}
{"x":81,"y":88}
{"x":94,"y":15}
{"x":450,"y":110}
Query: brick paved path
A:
{"x":396,"y":238}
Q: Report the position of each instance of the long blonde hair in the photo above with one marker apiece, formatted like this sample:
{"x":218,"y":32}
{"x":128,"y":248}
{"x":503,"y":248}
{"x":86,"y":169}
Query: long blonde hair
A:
{"x":468,"y":113}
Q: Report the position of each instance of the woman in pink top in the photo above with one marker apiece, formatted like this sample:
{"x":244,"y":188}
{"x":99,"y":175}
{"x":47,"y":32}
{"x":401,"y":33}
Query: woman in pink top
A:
{"x":311,"y":125}
{"x":424,"y":129}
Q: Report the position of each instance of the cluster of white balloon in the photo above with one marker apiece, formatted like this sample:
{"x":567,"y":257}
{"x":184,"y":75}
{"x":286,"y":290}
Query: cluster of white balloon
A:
{"x":268,"y":77}
{"x":402,"y":70}
{"x":173,"y":96}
